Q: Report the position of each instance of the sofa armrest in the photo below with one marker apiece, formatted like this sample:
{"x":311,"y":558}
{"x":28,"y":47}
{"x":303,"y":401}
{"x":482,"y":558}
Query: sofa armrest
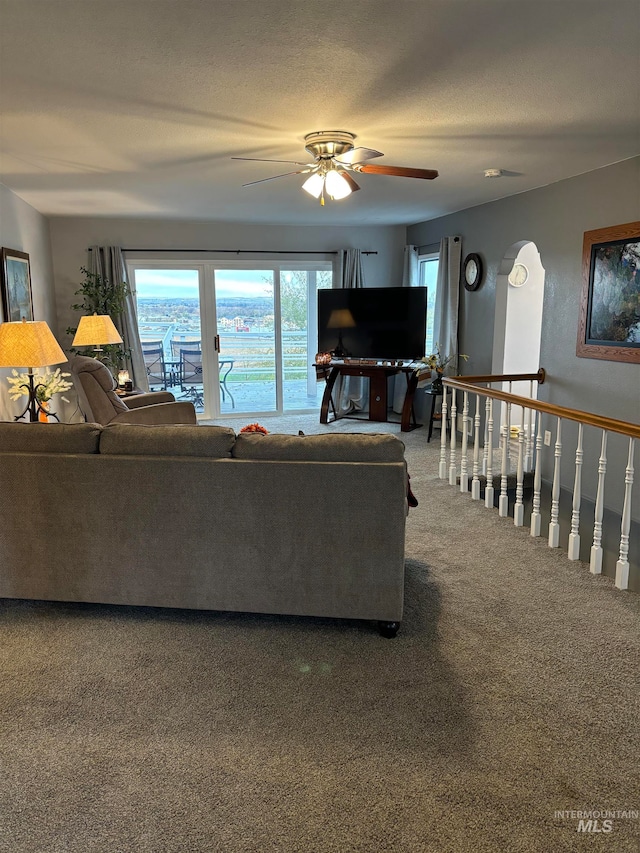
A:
{"x":162,"y":413}
{"x":150,"y":398}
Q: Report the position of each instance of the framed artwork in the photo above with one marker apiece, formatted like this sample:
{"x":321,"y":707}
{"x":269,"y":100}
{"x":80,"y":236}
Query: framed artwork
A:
{"x":609,"y":326}
{"x":17,"y":301}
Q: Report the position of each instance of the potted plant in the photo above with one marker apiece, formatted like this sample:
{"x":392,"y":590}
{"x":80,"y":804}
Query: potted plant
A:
{"x":436,"y":361}
{"x":100,"y":296}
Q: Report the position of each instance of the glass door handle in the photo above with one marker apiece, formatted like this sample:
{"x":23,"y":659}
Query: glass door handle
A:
{"x":216,"y":343}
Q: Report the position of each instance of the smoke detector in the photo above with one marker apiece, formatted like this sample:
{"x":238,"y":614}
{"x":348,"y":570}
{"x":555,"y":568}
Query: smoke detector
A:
{"x":493,"y":173}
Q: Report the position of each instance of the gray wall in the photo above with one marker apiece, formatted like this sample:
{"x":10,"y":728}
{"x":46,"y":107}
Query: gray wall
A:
{"x":555,"y":218}
{"x":24,"y":229}
{"x":70,"y":238}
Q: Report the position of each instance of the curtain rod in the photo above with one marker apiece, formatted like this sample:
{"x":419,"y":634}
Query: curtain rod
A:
{"x":244,"y":251}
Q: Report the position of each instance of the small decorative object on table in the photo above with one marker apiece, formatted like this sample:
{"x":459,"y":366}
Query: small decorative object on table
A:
{"x":323,"y":358}
{"x":46,"y":385}
{"x":255,"y":428}
{"x":436,"y":361}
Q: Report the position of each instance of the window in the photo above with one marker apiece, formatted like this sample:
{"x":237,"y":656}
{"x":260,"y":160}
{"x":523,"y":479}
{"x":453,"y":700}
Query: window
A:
{"x":428,"y":277}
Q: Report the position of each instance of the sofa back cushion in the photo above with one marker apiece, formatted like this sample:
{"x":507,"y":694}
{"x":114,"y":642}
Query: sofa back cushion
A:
{"x":49,"y":438}
{"x":167,"y":440}
{"x":347,"y":447}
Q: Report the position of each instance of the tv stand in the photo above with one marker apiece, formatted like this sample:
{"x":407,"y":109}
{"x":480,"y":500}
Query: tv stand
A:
{"x":377,"y":374}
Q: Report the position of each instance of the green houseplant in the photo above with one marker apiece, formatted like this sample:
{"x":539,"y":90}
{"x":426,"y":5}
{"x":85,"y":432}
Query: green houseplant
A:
{"x":100,"y":296}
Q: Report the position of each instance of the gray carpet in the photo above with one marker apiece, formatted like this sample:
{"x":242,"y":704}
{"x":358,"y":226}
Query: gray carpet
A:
{"x":510,"y":693}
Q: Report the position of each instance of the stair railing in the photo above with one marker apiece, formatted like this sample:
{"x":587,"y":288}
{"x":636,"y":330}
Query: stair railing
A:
{"x":529,"y":458}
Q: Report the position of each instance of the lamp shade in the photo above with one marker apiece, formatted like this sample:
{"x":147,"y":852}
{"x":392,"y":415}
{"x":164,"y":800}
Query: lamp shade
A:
{"x":29,"y":344}
{"x":314,"y":184}
{"x":336,"y":185}
{"x":96,"y":329}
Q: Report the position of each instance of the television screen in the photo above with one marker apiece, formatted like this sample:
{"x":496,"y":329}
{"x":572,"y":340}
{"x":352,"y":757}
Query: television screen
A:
{"x":373,"y":322}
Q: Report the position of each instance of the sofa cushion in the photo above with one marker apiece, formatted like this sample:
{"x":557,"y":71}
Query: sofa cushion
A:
{"x":347,"y":447}
{"x":49,"y":438}
{"x":167,"y":440}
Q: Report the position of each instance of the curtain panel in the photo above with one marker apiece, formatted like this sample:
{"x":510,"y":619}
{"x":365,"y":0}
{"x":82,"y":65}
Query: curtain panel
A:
{"x":109,"y":262}
{"x":410,"y":278}
{"x":350,"y":392}
{"x":445,"y":323}
{"x":410,"y":267}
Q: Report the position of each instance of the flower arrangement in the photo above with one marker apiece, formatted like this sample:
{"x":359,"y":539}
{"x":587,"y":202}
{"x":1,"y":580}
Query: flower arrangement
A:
{"x":46,"y":385}
{"x":255,"y":428}
{"x":436,"y":361}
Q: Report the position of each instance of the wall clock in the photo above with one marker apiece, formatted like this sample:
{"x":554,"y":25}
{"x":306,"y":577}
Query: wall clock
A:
{"x":518,"y":275}
{"x":472,"y":271}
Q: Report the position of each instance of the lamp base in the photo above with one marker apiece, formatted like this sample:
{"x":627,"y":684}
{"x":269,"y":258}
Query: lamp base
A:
{"x":34,"y":407}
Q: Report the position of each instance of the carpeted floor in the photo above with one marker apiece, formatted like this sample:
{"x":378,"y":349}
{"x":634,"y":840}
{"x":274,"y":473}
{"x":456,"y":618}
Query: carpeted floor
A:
{"x":510,"y":694}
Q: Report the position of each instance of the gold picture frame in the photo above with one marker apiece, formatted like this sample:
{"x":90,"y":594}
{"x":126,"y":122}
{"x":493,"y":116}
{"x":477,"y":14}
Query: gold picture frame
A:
{"x":609,"y":325}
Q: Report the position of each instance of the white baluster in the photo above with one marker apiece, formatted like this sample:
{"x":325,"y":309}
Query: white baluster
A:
{"x":595,"y":561}
{"x":485,"y":436}
{"x":622,"y":566}
{"x":537,"y":480}
{"x":475,"y":482}
{"x":464,"y":475}
{"x":528,"y":456}
{"x":554,"y":526}
{"x":574,"y":537}
{"x":503,"y":503}
{"x":488,"y":489}
{"x":453,"y":468}
{"x":442,"y":469}
{"x":518,"y":510}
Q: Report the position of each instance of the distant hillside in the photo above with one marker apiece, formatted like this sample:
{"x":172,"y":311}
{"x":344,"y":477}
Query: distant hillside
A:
{"x":230,"y":307}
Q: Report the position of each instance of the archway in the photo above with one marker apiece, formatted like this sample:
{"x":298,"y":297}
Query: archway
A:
{"x":518,"y":317}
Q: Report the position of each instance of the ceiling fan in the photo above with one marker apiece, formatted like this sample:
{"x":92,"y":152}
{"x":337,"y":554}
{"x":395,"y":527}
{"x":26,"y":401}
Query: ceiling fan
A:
{"x":334,"y":156}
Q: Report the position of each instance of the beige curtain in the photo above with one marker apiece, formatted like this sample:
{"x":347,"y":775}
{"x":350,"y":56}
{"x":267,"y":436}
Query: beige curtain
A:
{"x":109,"y":262}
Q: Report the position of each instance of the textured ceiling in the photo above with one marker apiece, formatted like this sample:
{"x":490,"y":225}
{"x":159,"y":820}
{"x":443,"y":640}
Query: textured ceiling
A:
{"x":135,"y":107}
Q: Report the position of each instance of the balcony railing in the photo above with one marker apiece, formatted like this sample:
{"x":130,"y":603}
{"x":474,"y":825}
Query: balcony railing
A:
{"x":520,"y":451}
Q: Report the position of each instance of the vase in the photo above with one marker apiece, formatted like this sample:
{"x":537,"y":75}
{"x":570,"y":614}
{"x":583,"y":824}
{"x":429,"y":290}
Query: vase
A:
{"x":437,"y":382}
{"x":42,"y":412}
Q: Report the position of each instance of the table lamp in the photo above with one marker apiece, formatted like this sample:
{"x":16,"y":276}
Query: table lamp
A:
{"x":29,"y":344}
{"x":340,"y":318}
{"x":94,"y":330}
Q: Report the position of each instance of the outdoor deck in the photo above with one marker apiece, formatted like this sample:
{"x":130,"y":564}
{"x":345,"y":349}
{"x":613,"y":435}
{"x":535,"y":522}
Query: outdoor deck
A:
{"x":259,"y":396}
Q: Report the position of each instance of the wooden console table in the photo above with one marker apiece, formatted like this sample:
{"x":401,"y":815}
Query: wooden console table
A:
{"x":377,"y":374}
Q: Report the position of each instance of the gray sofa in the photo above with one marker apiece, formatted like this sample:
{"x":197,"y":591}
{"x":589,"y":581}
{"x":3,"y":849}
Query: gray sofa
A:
{"x":195,"y":517}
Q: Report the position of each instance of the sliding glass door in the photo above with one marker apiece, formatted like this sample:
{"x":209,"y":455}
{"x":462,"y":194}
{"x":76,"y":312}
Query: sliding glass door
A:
{"x":235,"y":338}
{"x":246,"y":341}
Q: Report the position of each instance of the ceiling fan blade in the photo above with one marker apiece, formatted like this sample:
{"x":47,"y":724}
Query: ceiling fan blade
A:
{"x":400,"y":171}
{"x":261,"y":160}
{"x":357,"y":155}
{"x":273,"y":177}
{"x":349,"y":180}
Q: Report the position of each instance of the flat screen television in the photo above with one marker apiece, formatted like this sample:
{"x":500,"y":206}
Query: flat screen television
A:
{"x":379,"y":323}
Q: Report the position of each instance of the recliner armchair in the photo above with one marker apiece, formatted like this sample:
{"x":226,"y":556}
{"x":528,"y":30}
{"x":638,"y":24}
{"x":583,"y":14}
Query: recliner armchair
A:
{"x":100,"y":404}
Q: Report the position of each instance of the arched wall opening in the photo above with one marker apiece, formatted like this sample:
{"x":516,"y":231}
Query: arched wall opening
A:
{"x":518,"y":318}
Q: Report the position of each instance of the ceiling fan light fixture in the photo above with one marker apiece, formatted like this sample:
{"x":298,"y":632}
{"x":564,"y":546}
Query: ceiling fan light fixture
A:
{"x":336,"y":186}
{"x":314,"y":185}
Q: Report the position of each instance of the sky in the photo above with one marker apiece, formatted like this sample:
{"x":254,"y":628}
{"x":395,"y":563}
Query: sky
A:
{"x":183,"y":284}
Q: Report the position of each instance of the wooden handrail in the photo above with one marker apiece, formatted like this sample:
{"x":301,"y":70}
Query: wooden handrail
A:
{"x":468,"y":383}
{"x":538,"y":377}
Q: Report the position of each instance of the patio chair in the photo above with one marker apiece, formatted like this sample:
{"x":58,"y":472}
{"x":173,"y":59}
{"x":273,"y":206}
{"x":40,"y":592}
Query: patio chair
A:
{"x":159,"y":376}
{"x":188,"y":356}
